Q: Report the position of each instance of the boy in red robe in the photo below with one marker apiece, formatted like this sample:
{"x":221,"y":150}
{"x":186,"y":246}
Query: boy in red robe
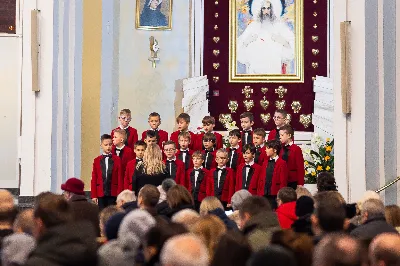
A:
{"x":121,"y":150}
{"x":209,"y":151}
{"x":140,"y":147}
{"x":131,"y":133}
{"x":258,"y":141}
{"x":175,"y":167}
{"x":246,"y":122}
{"x":154,"y":123}
{"x":208,"y":127}
{"x":248,"y":173}
{"x":280,"y":120}
{"x":184,"y":153}
{"x":183,"y":121}
{"x":235,"y":155}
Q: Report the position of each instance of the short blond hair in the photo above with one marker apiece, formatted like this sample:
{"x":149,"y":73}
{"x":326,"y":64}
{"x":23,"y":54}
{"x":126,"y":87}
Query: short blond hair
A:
{"x":122,"y":132}
{"x":302,"y":191}
{"x":209,"y":204}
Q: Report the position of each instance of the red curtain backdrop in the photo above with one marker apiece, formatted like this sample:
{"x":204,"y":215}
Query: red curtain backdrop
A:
{"x":222,"y":92}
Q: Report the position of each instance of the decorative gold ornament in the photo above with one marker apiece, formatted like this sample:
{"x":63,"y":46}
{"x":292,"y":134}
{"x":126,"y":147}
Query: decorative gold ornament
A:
{"x":233,"y":105}
{"x":315,"y":26}
{"x":216,"y":39}
{"x":305,"y":120}
{"x":281,"y":91}
{"x":314,"y":38}
{"x":216,"y":27}
{"x":215,"y":65}
{"x":216,"y":15}
{"x":264,"y":90}
{"x":315,"y":14}
{"x":216,"y":79}
{"x":280,"y":104}
{"x":265,"y":118}
{"x":296,"y":106}
{"x":216,"y":3}
{"x":314,"y":64}
{"x":247,"y":91}
{"x":264,"y":103}
{"x":288,"y":119}
{"x":225,"y":118}
{"x":216,"y":52}
{"x":315,"y":51}
{"x":248,"y":104}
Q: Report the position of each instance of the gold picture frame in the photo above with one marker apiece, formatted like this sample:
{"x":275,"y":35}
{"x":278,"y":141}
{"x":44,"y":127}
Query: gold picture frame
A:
{"x":159,"y":18}
{"x":242,"y":43}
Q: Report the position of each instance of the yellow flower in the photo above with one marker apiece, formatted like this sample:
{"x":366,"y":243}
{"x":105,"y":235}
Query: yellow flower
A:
{"x":328,"y":139}
{"x":313,"y":173}
{"x":305,"y":162}
{"x":327,"y":158}
{"x":305,"y":172}
{"x":319,"y":168}
{"x":328,"y":168}
{"x":328,"y":148}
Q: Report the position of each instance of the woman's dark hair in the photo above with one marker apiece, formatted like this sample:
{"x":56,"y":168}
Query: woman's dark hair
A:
{"x":177,"y":196}
{"x":326,"y":182}
{"x":235,"y":244}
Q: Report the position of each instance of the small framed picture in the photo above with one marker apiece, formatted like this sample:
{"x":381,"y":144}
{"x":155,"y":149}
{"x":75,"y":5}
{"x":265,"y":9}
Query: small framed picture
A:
{"x":154,"y":14}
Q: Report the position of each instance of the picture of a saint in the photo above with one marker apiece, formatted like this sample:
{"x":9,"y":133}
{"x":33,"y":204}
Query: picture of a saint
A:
{"x":153,"y":14}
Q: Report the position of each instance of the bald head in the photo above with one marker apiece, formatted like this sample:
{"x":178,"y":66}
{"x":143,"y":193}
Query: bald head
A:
{"x":384,"y":250}
{"x":6,"y":200}
{"x":184,"y":250}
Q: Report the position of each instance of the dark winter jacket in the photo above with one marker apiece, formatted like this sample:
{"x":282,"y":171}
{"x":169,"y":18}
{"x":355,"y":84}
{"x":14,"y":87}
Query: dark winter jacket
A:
{"x":230,"y":225}
{"x":83,"y":210}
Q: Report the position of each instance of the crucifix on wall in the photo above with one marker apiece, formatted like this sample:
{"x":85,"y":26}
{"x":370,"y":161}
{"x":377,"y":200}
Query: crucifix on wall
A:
{"x":154,"y":51}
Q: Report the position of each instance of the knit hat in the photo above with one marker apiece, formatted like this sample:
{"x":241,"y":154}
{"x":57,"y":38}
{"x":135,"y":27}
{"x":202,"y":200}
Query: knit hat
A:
{"x":113,"y":224}
{"x":304,"y":205}
{"x":239,"y":197}
{"x":16,"y":249}
{"x":74,"y":185}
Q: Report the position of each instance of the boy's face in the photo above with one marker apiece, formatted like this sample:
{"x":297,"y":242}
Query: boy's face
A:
{"x":279,"y":119}
{"x":169,"y":151}
{"x":270,"y":152}
{"x":149,"y":140}
{"x":184,"y":143}
{"x":208,"y":127}
{"x":245,"y":123}
{"x":234,"y":141}
{"x":221,"y":159}
{"x":197,"y":161}
{"x":118,"y":139}
{"x":154,"y":122}
{"x":208,"y":144}
{"x":258,"y":140}
{"x":124,"y":119}
{"x":182,"y":125}
{"x":248,"y":156}
{"x":284,"y":137}
{"x":106,"y":145}
{"x":139,"y":150}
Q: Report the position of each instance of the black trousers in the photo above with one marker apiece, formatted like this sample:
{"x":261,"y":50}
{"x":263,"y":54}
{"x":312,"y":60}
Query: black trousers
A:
{"x":106,"y":201}
{"x":292,"y":185}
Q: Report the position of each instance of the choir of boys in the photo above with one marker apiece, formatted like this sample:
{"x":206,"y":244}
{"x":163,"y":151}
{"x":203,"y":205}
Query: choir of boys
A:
{"x":198,"y":161}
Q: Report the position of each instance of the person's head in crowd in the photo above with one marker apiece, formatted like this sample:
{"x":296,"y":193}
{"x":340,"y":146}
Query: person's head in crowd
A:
{"x":184,"y":139}
{"x":249,"y":151}
{"x":156,"y":238}
{"x":170,"y":149}
{"x":164,"y":187}
{"x":302,"y":191}
{"x":106,"y":143}
{"x":232,"y":249}
{"x":209,"y":204}
{"x":152,"y":160}
{"x":73,"y":186}
{"x":148,"y":198}
{"x":259,"y":136}
{"x":329,"y":215}
{"x":300,"y":244}
{"x":210,"y":229}
{"x":113,"y":224}
{"x":384,"y":250}
{"x":238,"y":198}
{"x":372,"y":208}
{"x":16,"y":249}
{"x":178,"y":196}
{"x":221,"y":157}
{"x":105,"y":215}
{"x":119,"y":138}
{"x":273,"y":147}
{"x":286,"y":195}
{"x":304,"y":206}
{"x":234,"y":138}
{"x":275,"y":256}
{"x":251,"y":207}
{"x":152,"y":137}
{"x":184,"y":250}
{"x":392,"y":215}
{"x":8,"y":210}
{"x":280,"y":118}
{"x":338,"y":249}
{"x":186,"y":217}
{"x":246,"y":120}
{"x":51,"y":210}
{"x":198,"y":159}
{"x":321,"y":196}
{"x":326,"y":182}
{"x":24,"y":223}
{"x":139,"y":148}
{"x":183,"y":121}
{"x":125,"y":117}
{"x":209,"y":140}
{"x":369,"y":194}
{"x":154,"y":120}
{"x":286,"y":134}
{"x":125,"y":197}
{"x":208,"y":124}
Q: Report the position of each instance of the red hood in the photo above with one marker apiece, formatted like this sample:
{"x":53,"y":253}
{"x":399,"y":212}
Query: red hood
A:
{"x":287,"y":214}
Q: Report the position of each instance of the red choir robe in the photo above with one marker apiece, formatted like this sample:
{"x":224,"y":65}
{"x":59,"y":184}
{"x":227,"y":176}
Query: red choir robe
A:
{"x":235,"y":157}
{"x":126,"y":155}
{"x":261,"y":155}
{"x":193,"y":139}
{"x":279,"y":178}
{"x":199,"y":189}
{"x":209,"y":159}
{"x":108,"y":183}
{"x":129,"y":171}
{"x":295,"y":164}
{"x":226,"y":188}
{"x":272,"y":135}
{"x":177,"y":171}
{"x":252,"y":179}
{"x":163,"y":137}
{"x":218,"y":144}
{"x":131,"y":136}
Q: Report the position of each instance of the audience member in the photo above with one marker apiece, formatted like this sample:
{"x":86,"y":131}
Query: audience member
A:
{"x":16,"y":248}
{"x":326,"y":182}
{"x":8,"y":213}
{"x":184,"y":250}
{"x":338,"y":249}
{"x":272,"y":255}
{"x":392,"y":215}
{"x":286,"y":200}
{"x":126,"y":200}
{"x":60,"y":241}
{"x":369,"y":194}
{"x":373,"y":221}
{"x":164,"y":187}
{"x":258,"y":222}
{"x":24,"y":223}
{"x":113,"y":224}
{"x":105,"y":215}
{"x":178,"y":198}
{"x":82,"y":209}
{"x":212,"y":205}
{"x":186,"y":217}
{"x":304,"y":209}
{"x":232,"y":249}
{"x":302,"y":191}
{"x":148,"y":199}
{"x":385,"y":250}
{"x":236,"y":201}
